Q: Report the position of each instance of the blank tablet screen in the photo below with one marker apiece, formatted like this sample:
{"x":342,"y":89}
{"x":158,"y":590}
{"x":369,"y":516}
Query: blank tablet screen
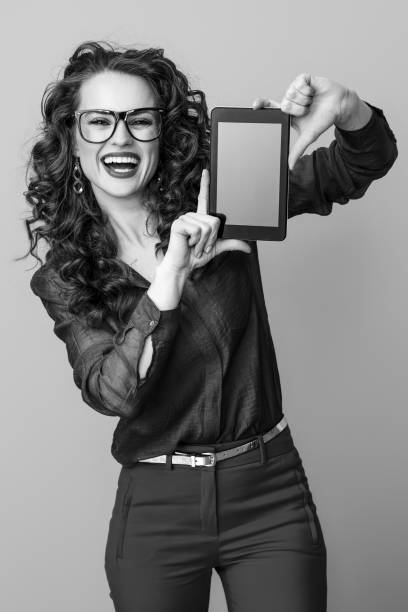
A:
{"x":248,"y":171}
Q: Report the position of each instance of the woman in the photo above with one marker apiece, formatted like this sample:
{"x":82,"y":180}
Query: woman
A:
{"x":166,"y":327}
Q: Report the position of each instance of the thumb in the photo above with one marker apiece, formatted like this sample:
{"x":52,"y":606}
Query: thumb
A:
{"x":265,"y":103}
{"x":299,"y":148}
{"x":272,"y":103}
{"x":231,"y":244}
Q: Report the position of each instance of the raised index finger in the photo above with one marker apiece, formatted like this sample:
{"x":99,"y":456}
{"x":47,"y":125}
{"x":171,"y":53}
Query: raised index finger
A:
{"x":203,"y":196}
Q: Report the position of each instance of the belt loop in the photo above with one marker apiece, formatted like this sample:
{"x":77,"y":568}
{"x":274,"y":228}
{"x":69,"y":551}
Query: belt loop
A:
{"x":169,"y":464}
{"x":262,"y":450}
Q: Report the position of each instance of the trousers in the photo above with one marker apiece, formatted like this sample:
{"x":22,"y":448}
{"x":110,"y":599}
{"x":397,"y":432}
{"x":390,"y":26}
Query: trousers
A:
{"x":251,"y":518}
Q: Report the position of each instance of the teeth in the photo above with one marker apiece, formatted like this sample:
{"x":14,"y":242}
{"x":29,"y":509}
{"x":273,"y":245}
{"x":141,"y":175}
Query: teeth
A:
{"x":110,"y":159}
{"x":121,"y":170}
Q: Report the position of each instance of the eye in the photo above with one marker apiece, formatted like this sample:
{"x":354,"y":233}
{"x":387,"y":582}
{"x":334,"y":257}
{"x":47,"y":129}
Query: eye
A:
{"x":135,"y":122}
{"x":99,"y":121}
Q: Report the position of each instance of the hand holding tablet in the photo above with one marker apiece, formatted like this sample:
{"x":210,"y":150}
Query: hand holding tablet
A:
{"x":250,"y":158}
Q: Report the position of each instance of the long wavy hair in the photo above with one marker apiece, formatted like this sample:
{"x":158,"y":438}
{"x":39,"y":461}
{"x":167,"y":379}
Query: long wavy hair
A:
{"x":83,"y":247}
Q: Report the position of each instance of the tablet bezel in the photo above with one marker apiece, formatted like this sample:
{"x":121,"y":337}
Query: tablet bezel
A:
{"x":249,"y":115}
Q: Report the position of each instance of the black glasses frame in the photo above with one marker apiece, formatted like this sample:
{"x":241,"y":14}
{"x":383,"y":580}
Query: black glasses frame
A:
{"x":118,"y":115}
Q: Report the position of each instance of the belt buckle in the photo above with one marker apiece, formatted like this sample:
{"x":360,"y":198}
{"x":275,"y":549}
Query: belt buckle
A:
{"x":213,"y":459}
{"x":195,"y":460}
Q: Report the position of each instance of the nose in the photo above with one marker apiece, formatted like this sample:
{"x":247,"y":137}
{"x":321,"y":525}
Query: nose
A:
{"x":121,"y":135}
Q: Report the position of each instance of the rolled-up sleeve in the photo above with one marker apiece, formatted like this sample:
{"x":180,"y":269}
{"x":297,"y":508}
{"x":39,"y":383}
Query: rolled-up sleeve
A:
{"x":344,"y":170}
{"x":105,"y":364}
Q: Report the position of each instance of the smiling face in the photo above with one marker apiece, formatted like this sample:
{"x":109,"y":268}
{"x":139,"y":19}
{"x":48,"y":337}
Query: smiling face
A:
{"x":117,"y":91}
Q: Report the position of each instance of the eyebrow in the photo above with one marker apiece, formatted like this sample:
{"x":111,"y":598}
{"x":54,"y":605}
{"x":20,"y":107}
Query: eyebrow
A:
{"x":109,"y":110}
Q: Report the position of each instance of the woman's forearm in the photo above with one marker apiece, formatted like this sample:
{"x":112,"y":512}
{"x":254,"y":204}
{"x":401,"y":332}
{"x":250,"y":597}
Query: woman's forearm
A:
{"x":356,"y":113}
{"x":167,"y":286}
{"x":165,"y":290}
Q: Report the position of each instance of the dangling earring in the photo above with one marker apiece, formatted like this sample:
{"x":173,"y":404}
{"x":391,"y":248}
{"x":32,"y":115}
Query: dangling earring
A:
{"x":78,"y":185}
{"x":158,"y":181}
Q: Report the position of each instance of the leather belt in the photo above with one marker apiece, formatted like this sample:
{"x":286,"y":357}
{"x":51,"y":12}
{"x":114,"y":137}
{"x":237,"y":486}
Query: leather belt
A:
{"x":210,"y":459}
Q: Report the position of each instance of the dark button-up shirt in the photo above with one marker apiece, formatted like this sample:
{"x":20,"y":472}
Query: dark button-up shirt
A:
{"x":213,"y":378}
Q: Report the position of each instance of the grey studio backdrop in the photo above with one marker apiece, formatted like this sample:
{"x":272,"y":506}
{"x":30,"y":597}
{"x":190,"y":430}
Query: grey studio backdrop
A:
{"x":336,"y":293}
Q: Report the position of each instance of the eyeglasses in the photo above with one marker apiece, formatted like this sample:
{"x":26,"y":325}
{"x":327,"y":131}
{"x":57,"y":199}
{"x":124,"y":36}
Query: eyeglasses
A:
{"x":96,"y":126}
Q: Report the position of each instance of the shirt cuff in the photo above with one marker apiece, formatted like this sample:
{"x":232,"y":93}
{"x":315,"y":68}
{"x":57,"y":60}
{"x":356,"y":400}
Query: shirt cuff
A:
{"x":148,"y":318}
{"x":372,"y":134}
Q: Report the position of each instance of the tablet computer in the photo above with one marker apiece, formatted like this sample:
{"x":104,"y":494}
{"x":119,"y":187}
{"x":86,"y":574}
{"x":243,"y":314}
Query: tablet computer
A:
{"x":249,"y":172}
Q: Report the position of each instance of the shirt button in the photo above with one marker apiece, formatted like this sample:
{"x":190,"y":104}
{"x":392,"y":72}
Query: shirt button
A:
{"x":152,"y":322}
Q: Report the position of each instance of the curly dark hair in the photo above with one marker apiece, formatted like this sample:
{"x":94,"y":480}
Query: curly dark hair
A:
{"x":83,"y":245}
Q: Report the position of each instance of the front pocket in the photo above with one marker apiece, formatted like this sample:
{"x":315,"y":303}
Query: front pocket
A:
{"x":123,"y":521}
{"x":307,"y":501}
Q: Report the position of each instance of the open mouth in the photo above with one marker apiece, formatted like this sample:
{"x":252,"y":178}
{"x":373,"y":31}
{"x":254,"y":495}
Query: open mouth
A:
{"x":121,"y":165}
